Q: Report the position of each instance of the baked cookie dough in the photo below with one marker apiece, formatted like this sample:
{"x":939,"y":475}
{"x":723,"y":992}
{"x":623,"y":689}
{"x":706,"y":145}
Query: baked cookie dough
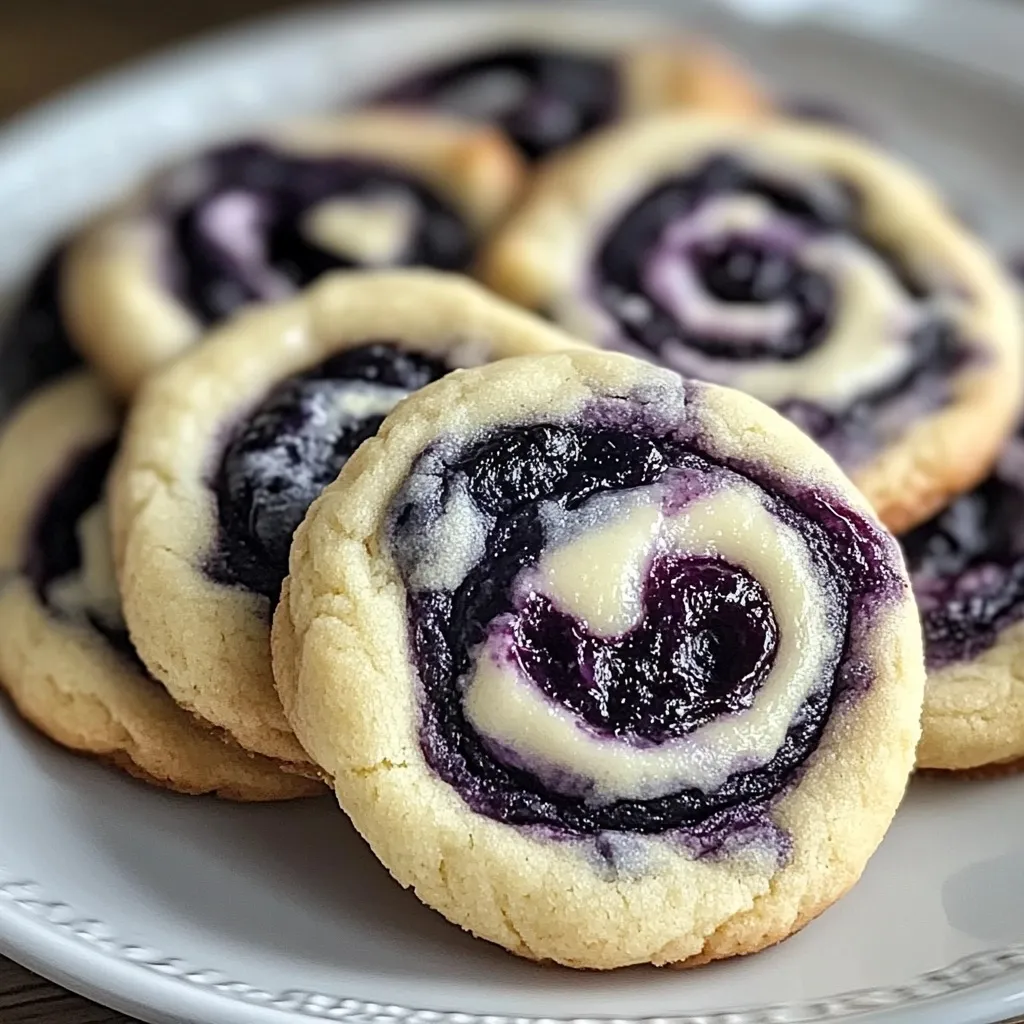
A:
{"x":611,"y":668}
{"x":258,"y":219}
{"x":967,"y":567}
{"x":547,"y":93}
{"x":225,"y":450}
{"x":65,"y":657}
{"x":795,"y":263}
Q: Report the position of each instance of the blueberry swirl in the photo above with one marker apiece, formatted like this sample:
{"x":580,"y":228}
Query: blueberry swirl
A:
{"x":260,"y":222}
{"x":600,"y":642}
{"x":283,"y":453}
{"x":797,"y":264}
{"x":767,"y":279}
{"x":68,"y":557}
{"x":967,"y":565}
{"x":543,"y":98}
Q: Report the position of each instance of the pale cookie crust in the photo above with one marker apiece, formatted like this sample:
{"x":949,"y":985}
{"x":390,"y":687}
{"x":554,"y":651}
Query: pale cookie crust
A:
{"x":345,"y":676}
{"x":127,"y":322}
{"x":973,"y":714}
{"x":66,"y":678}
{"x":541,"y":258}
{"x":207,"y":642}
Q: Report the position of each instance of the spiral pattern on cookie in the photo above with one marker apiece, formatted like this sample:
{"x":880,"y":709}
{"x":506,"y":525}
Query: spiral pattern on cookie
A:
{"x":615,"y":628}
{"x":265,"y":222}
{"x":283,"y":453}
{"x":544,"y":98}
{"x":796,"y":264}
{"x":547,"y":95}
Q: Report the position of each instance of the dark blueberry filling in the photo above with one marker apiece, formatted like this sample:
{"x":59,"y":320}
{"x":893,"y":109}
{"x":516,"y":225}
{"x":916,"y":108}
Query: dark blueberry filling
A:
{"x":53,"y":549}
{"x":705,"y":645}
{"x":34,"y":345}
{"x":285,"y":452}
{"x":967,"y":565}
{"x":702,"y":650}
{"x":735,"y":268}
{"x":967,"y":562}
{"x":543,"y":99}
{"x":272,"y":190}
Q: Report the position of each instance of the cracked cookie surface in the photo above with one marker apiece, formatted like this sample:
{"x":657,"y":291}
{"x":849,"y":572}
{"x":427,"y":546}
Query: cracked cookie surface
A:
{"x":627,"y":656}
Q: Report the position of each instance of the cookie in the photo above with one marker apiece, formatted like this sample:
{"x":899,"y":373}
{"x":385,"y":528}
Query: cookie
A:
{"x":547,"y":93}
{"x":65,"y":657}
{"x":225,"y":450}
{"x":34,"y":342}
{"x":609,"y":667}
{"x":967,"y":567}
{"x":256,"y":220}
{"x":795,"y":263}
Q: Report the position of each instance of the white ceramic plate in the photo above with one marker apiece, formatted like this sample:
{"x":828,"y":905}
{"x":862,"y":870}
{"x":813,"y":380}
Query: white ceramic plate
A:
{"x":187,"y":910}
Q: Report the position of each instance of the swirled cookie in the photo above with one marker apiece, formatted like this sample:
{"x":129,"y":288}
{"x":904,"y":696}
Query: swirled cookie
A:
{"x":794,"y":263}
{"x":225,"y":450}
{"x":546,"y":93}
{"x":256,"y":220}
{"x":65,"y":656}
{"x":628,"y":657}
{"x":967,"y":567}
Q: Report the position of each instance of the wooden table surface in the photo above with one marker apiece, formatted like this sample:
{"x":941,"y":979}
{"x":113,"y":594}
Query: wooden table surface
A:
{"x":46,"y":46}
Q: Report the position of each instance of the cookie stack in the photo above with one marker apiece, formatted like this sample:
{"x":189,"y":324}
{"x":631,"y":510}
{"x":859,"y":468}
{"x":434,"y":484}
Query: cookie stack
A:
{"x":611,"y":655}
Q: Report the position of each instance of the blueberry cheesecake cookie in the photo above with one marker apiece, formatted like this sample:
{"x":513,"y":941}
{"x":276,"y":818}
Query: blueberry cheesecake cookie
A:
{"x":967,"y":567}
{"x":65,"y":657}
{"x":225,"y":450}
{"x":797,"y":264}
{"x":258,"y":219}
{"x":547,"y":93}
{"x":34,"y":342}
{"x":629,"y":657}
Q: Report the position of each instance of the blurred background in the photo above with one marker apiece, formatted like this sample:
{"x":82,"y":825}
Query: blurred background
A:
{"x":45,"y":45}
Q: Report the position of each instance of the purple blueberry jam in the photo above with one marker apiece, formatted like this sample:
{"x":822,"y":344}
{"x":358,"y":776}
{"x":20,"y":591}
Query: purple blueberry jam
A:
{"x":34,"y":345}
{"x":283,"y":453}
{"x":764,"y":267}
{"x":705,"y":645}
{"x":702,"y":649}
{"x":543,"y":99}
{"x":967,"y":566}
{"x":241,"y":239}
{"x":53,"y":547}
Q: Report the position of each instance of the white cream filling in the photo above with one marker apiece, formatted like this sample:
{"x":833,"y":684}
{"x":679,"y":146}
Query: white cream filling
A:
{"x":503,"y":705}
{"x":359,"y":400}
{"x":90,"y":592}
{"x":455,"y":541}
{"x":234,"y":221}
{"x":673,"y":278}
{"x":373,"y":231}
{"x":865,"y":349}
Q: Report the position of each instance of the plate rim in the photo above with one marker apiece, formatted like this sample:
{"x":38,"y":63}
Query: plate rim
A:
{"x":84,"y":955}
